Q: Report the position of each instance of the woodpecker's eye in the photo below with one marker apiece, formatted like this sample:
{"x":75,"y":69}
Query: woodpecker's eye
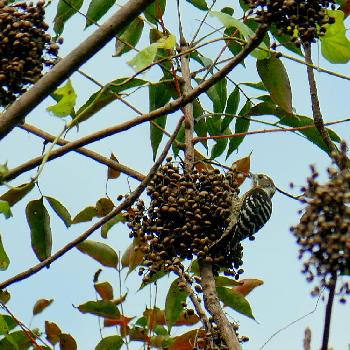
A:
{"x":260,"y":176}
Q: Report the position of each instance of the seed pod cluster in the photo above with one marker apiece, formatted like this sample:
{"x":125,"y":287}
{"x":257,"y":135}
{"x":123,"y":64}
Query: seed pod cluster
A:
{"x":303,"y":20}
{"x":323,"y":233}
{"x":188,"y":211}
{"x":23,"y":43}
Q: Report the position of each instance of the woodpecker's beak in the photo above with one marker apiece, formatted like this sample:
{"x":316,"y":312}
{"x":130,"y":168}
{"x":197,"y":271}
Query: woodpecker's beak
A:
{"x":250,"y":175}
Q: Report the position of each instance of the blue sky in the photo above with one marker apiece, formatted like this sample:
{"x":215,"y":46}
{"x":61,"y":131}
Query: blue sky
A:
{"x":79,"y":182}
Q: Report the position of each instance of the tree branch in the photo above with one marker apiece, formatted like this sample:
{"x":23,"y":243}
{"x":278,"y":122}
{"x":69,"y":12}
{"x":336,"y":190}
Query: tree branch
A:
{"x":65,"y":67}
{"x":124,"y":205}
{"x":31,"y":164}
{"x":318,"y":120}
{"x":328,"y":314}
{"x":212,"y":304}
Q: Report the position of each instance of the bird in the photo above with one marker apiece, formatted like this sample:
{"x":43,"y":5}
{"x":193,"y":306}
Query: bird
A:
{"x":249,"y":213}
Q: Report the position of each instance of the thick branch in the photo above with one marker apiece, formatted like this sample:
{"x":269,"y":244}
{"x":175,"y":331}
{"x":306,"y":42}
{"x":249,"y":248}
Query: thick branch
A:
{"x":328,"y":314}
{"x":212,"y":303}
{"x":124,"y":205}
{"x":31,"y":164}
{"x":318,"y":120}
{"x":68,"y":65}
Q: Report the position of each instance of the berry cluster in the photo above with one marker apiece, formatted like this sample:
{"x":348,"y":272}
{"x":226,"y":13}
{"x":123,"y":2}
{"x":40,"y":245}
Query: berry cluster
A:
{"x":323,"y":233}
{"x":188,"y":211}
{"x":303,"y":20}
{"x":23,"y":42}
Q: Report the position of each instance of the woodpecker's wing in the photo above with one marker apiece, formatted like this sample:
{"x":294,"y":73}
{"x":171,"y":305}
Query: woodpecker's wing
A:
{"x":255,"y":211}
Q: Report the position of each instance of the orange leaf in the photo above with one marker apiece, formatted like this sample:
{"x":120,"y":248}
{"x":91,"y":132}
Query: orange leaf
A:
{"x":188,"y":340}
{"x":247,"y":286}
{"x":242,"y":166}
{"x":122,"y":321}
{"x":200,"y":162}
{"x":105,"y":290}
{"x":40,"y":305}
{"x":112,"y":173}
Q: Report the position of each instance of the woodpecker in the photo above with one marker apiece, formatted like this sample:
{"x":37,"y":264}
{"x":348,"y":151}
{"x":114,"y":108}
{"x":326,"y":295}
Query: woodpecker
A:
{"x":255,"y":209}
{"x":248,"y":213}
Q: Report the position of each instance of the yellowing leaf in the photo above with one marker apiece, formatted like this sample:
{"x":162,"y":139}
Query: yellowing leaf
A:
{"x":40,"y":305}
{"x":15,"y":194}
{"x":67,"y":342}
{"x":144,"y":58}
{"x":167,"y":42}
{"x":66,"y":98}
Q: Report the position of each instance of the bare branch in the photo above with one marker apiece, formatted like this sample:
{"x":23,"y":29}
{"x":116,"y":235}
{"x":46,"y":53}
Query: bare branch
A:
{"x":307,"y":339}
{"x":328,"y":314}
{"x":318,"y":119}
{"x":65,"y":67}
{"x":125,"y":204}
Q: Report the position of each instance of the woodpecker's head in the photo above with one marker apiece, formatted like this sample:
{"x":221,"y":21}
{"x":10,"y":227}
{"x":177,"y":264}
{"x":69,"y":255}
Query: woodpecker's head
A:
{"x":265,"y":183}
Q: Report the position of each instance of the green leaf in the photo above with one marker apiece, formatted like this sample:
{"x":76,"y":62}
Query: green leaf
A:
{"x":101,"y":252}
{"x":247,"y":33}
{"x":39,"y":223}
{"x":144,"y":58}
{"x":159,"y":95}
{"x":7,"y":323}
{"x":110,"y":223}
{"x":173,"y":303}
{"x":220,"y":145}
{"x":129,"y":37}
{"x":15,"y":194}
{"x":60,"y":210}
{"x":155,"y":11}
{"x":241,"y":126}
{"x":113,"y":342}
{"x":275,"y":79}
{"x":200,"y":4}
{"x":97,"y":9}
{"x":85,"y":215}
{"x":155,"y":277}
{"x":312,"y":134}
{"x":5,"y":209}
{"x":65,"y":10}
{"x":335,"y":46}
{"x":218,"y":95}
{"x":17,"y":340}
{"x":222,"y":281}
{"x":5,"y":296}
{"x":66,"y":97}
{"x":102,"y":308}
{"x":180,"y":137}
{"x":105,"y":96}
{"x":4,"y":259}
{"x":231,"y":107}
{"x":235,"y":301}
{"x":259,"y":85}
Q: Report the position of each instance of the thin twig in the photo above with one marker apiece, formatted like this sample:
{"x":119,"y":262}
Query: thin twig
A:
{"x":26,"y":330}
{"x":124,"y":205}
{"x":292,"y":323}
{"x":265,"y":131}
{"x":13,"y":173}
{"x":328,"y":314}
